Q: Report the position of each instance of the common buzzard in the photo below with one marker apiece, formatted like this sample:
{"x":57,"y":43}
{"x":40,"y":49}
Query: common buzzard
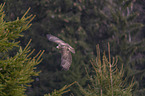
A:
{"x":66,"y":49}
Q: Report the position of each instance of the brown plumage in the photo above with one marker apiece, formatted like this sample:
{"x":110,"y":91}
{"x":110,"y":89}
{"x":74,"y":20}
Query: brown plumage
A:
{"x":66,"y":49}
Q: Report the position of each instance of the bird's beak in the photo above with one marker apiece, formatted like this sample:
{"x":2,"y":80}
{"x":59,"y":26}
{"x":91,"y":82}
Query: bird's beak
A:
{"x":58,"y":47}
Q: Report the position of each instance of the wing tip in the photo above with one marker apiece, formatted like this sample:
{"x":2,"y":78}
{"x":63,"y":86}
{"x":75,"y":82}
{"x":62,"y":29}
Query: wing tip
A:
{"x":72,"y":50}
{"x":48,"y":36}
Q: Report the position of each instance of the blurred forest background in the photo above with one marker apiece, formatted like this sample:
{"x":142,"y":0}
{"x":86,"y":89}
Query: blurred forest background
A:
{"x":83,"y":24}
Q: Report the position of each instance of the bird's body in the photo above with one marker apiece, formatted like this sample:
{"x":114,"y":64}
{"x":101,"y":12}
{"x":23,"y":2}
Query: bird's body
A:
{"x":66,"y":58}
{"x":66,"y":49}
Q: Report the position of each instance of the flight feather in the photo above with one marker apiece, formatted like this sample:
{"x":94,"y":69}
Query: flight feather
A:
{"x":66,"y":49}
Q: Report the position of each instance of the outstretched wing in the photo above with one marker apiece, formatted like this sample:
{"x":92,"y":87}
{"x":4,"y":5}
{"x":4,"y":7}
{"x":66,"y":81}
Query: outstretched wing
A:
{"x":66,"y":49}
{"x":55,"y":39}
{"x":66,"y":58}
{"x":60,"y":42}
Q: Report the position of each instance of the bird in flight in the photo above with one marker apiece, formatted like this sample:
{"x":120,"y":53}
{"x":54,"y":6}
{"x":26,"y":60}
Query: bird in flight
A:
{"x":66,"y":49}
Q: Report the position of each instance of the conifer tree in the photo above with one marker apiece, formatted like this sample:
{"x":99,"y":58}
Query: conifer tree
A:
{"x":125,"y":39}
{"x":15,"y":71}
{"x":83,"y":24}
{"x":105,"y":78}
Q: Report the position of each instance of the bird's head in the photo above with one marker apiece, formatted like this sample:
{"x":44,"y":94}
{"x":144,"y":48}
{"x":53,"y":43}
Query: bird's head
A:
{"x":59,"y":46}
{"x":68,"y":47}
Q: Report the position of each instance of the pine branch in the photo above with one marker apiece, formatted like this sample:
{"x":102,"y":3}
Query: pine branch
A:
{"x":60,"y":91}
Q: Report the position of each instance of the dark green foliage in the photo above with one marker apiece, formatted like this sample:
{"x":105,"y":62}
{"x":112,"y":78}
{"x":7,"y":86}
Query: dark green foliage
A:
{"x":125,"y":40}
{"x":83,"y":24}
{"x":61,"y":91}
{"x":105,"y":78}
{"x":15,"y":71}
